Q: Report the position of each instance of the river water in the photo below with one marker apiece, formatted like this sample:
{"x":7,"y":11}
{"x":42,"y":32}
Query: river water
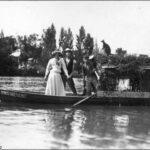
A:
{"x":35,"y":126}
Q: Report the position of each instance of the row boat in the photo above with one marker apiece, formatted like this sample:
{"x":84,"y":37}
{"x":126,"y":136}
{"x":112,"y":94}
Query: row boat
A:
{"x":103,"y":98}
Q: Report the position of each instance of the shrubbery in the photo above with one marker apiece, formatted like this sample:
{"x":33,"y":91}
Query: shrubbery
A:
{"x":127,"y":66}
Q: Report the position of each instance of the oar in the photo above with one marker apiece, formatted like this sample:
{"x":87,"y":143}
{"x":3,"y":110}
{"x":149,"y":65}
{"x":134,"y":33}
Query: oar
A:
{"x":83,"y":100}
{"x":79,"y":102}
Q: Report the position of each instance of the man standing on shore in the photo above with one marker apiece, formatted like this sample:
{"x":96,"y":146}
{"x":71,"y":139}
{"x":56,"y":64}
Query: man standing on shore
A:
{"x":70,"y":63}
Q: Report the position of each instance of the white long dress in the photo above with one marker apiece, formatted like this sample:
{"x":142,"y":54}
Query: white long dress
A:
{"x":55,"y":84}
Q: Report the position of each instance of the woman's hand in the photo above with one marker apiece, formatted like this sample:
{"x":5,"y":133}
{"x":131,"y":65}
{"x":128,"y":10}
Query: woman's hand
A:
{"x":69,"y":76}
{"x":45,"y":78}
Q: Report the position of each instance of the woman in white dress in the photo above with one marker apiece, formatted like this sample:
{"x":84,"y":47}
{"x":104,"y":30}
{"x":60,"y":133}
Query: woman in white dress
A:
{"x":55,"y":84}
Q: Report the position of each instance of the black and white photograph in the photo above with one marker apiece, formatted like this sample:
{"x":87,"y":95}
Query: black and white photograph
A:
{"x":74,"y":74}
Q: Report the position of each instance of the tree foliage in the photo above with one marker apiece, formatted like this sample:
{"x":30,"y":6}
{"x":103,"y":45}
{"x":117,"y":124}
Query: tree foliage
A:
{"x":49,"y":43}
{"x":80,"y":39}
{"x":66,"y":39}
{"x":127,"y":66}
{"x":40,"y":49}
{"x":2,"y":34}
{"x":62,"y":38}
{"x":7,"y":46}
{"x":80,"y":45}
{"x":121,"y":52}
{"x":95,"y":49}
{"x":29,"y":47}
{"x":88,"y":44}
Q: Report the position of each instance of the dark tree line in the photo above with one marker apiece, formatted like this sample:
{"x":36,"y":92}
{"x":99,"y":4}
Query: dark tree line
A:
{"x":39,"y":48}
{"x":7,"y":46}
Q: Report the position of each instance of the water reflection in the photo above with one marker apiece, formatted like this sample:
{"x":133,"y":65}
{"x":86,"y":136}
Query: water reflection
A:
{"x":105,"y":130}
{"x":121,"y":123}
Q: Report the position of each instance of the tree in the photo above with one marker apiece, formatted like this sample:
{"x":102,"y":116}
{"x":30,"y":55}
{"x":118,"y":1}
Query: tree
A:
{"x":66,"y":39}
{"x":96,"y":49}
{"x":80,"y":40}
{"x":80,"y":47}
{"x":25,"y":48}
{"x":32,"y":39}
{"x":88,"y":44}
{"x":121,"y":52}
{"x":2,"y":34}
{"x":62,"y":38}
{"x":29,"y":47}
{"x":69,"y":39}
{"x":7,"y":46}
{"x":35,"y":48}
{"x":49,"y":43}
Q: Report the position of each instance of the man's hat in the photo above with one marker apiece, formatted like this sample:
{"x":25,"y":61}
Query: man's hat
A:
{"x":91,"y":56}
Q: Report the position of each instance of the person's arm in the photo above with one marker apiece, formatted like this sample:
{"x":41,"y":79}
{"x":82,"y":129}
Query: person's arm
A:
{"x":97,"y":76}
{"x":64,"y":67}
{"x":84,"y":80}
{"x":73,"y":68}
{"x":95,"y":69}
{"x":83,"y":71}
{"x":48,"y":68}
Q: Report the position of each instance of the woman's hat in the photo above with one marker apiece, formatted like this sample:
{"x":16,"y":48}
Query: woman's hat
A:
{"x":68,"y":50}
{"x":56,"y":51}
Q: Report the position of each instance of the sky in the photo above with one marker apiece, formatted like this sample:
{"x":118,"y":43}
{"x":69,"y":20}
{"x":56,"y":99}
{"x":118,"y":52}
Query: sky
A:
{"x":124,"y":24}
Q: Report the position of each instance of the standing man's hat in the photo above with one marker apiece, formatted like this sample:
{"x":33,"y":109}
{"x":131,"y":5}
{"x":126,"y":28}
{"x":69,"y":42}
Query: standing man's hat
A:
{"x":91,"y":56}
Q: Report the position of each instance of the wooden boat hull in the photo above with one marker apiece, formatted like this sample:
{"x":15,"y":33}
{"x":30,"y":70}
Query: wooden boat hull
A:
{"x":103,"y":98}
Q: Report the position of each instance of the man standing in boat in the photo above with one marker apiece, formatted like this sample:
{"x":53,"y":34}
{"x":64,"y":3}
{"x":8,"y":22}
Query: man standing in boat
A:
{"x":70,"y":64}
{"x":90,"y":74}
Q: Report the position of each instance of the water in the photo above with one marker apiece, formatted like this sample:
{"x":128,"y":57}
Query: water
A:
{"x":34,"y":126}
